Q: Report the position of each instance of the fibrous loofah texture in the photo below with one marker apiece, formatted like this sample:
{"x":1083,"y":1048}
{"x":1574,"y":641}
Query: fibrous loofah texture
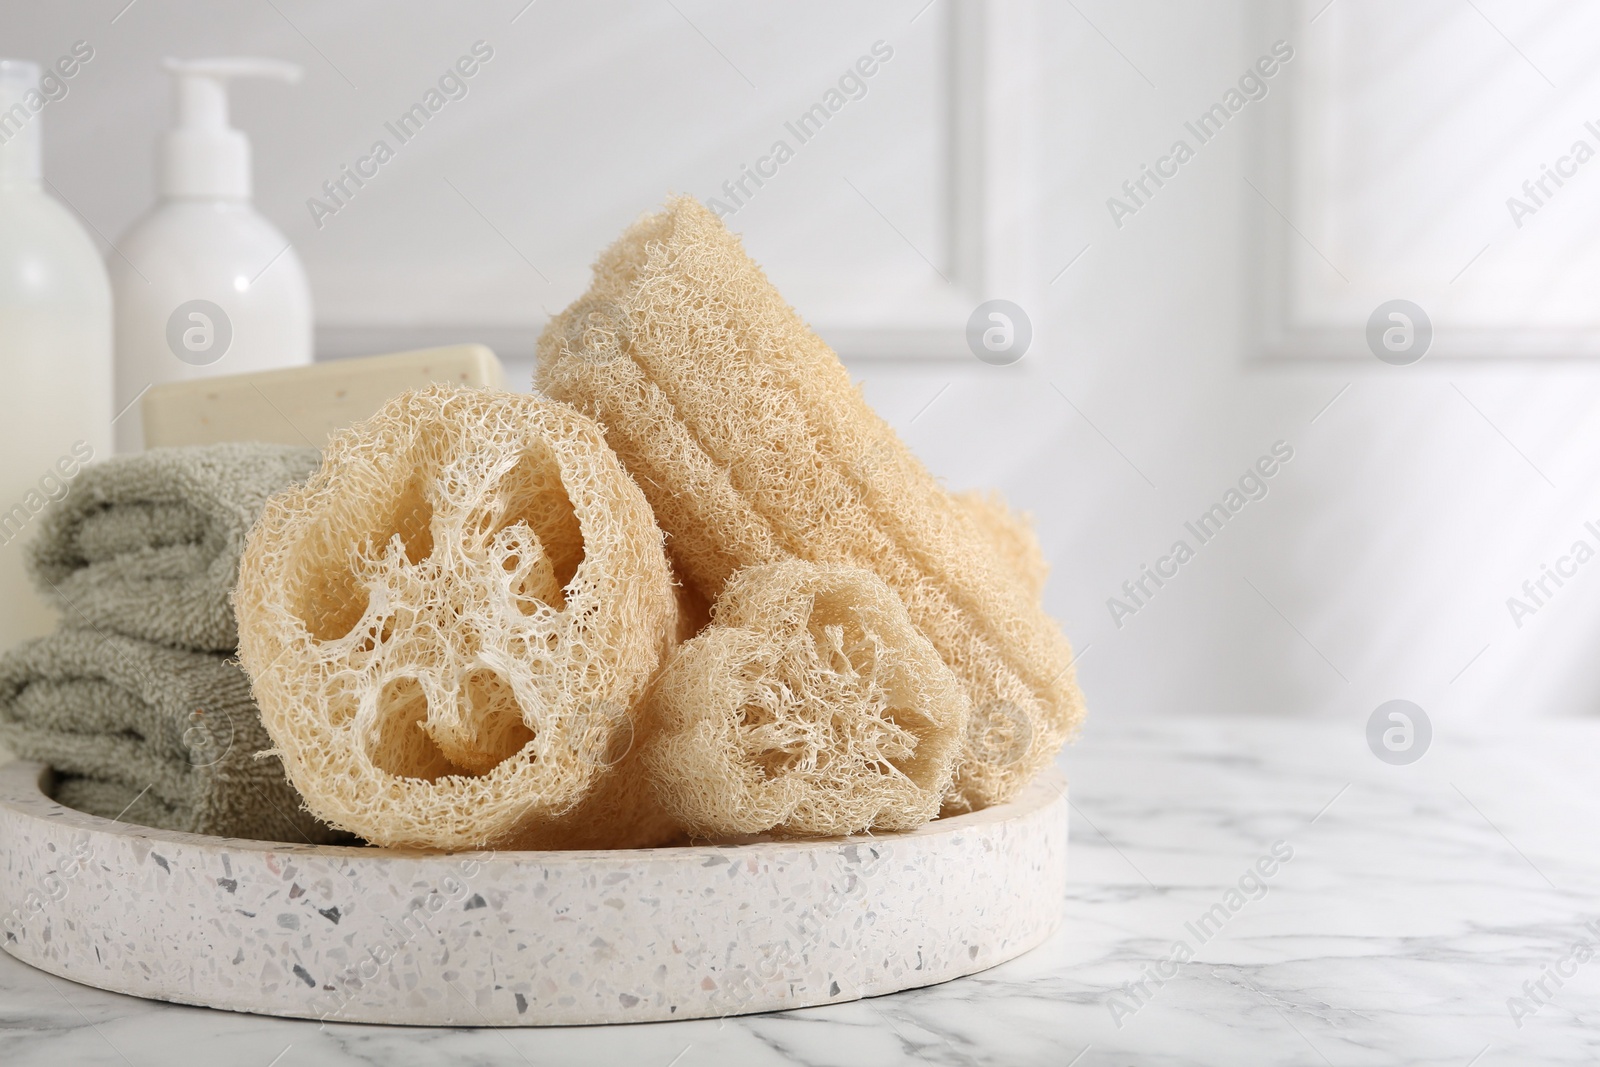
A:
{"x":449,"y":627}
{"x":810,"y":706}
{"x":744,"y":431}
{"x":1011,"y":534}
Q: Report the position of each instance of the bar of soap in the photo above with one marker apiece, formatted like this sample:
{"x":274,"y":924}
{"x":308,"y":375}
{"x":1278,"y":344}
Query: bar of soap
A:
{"x":304,"y":405}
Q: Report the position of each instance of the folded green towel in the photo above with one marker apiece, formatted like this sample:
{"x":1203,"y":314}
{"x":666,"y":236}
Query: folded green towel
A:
{"x":148,"y":545}
{"x":160,"y":736}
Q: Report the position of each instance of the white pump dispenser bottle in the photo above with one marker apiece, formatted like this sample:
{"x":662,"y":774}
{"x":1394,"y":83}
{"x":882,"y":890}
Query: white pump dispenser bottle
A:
{"x":55,"y":350}
{"x":203,"y":284}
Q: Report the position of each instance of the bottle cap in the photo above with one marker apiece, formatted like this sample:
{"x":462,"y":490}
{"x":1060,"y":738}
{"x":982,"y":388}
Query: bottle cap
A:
{"x":202,"y":156}
{"x":20,"y":104}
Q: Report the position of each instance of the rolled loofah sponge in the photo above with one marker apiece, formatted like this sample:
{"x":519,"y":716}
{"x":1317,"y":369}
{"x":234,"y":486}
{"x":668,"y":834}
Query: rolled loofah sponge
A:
{"x":746,"y":434}
{"x":810,"y":706}
{"x":1011,"y":534}
{"x":449,"y":627}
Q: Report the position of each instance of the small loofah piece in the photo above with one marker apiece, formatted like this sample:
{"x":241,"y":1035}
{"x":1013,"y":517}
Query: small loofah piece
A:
{"x":745,"y":432}
{"x":449,"y":627}
{"x":1011,"y":534}
{"x":811,"y":706}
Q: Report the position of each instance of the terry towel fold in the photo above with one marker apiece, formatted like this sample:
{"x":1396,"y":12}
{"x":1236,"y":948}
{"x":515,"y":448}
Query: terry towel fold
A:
{"x":158,"y":736}
{"x":148,"y":545}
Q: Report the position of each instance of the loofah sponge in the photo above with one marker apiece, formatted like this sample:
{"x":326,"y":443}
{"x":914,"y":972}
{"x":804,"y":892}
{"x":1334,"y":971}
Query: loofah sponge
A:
{"x":1011,"y":535}
{"x":746,"y":434}
{"x":810,"y":706}
{"x":449,"y":627}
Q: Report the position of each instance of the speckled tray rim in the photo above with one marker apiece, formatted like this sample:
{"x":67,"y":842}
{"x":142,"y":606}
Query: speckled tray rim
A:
{"x":24,"y":794}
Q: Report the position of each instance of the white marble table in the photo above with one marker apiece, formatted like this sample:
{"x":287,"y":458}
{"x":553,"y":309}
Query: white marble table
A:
{"x":1416,"y":900}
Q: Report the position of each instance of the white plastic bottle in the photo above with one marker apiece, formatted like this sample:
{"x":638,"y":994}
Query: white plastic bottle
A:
{"x":204,"y":285}
{"x":55,"y":349}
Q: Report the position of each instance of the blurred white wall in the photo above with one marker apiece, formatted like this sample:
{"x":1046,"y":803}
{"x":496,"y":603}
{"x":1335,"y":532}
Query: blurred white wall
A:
{"x":1379,"y":563}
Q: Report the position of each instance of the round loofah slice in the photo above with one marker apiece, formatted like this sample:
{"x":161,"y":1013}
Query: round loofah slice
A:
{"x":449,"y":626}
{"x":810,"y":706}
{"x":745,"y":432}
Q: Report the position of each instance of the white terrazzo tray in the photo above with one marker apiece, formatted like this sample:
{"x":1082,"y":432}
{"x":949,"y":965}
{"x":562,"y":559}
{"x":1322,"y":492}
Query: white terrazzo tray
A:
{"x":522,"y":938}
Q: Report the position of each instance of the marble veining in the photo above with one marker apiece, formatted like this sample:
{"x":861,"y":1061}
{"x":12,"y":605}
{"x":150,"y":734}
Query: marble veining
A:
{"x":1418,"y":902}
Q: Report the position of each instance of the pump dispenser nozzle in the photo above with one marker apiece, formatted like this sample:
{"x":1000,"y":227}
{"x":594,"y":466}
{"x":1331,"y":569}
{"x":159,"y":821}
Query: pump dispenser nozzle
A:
{"x":202,"y":156}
